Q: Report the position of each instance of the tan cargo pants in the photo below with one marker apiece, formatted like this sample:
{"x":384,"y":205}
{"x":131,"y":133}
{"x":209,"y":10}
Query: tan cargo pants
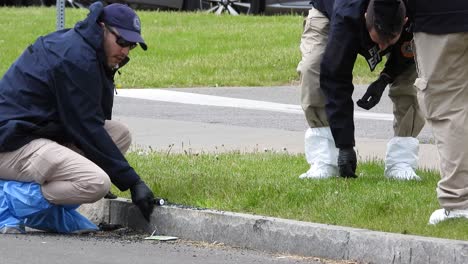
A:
{"x":409,"y":119}
{"x":65,"y":176}
{"x":443,"y":95}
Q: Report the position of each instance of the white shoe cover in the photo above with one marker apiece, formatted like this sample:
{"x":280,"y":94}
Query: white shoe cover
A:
{"x":402,"y":158}
{"x":320,"y":170}
{"x":440,"y":215}
{"x":321,"y":154}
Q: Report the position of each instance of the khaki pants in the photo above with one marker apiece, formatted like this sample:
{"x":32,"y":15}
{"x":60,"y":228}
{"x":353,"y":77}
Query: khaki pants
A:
{"x":443,"y":95}
{"x":313,"y":44}
{"x":65,"y":176}
{"x":409,"y":119}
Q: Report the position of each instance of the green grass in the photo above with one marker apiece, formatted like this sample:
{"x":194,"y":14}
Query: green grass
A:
{"x":186,"y":49}
{"x":268,"y":184}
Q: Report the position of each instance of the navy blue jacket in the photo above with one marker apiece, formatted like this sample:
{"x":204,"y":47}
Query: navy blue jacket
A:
{"x":348,"y":37}
{"x":61,"y":89}
{"x":440,"y":17}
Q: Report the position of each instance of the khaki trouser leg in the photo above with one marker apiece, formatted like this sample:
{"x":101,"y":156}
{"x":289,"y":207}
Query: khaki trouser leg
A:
{"x":66,"y":177}
{"x":409,"y":119}
{"x":443,"y":95}
{"x":313,"y":43}
{"x":120,"y":134}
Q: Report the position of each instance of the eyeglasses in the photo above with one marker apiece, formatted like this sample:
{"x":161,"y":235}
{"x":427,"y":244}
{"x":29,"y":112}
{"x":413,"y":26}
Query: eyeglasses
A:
{"x":121,"y":41}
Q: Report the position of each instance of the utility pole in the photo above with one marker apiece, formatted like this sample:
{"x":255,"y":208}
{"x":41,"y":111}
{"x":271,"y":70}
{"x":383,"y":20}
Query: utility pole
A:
{"x":60,"y":14}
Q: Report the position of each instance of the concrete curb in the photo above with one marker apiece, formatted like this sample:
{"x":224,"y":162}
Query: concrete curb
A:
{"x":281,"y":235}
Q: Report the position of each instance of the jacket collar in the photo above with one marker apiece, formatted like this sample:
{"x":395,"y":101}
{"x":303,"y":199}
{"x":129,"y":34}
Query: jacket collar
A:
{"x":89,"y":28}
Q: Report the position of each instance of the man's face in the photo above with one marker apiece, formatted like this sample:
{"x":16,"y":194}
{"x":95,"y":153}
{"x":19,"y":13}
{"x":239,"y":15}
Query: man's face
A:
{"x":382,"y":44}
{"x":115,"y":53}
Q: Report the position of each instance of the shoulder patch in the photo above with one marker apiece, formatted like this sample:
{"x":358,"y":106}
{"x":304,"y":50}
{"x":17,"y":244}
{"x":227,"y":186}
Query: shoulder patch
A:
{"x":407,"y":49}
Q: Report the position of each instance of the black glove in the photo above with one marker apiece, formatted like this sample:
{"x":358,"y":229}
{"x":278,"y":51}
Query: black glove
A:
{"x":347,"y":163}
{"x":374,"y":92}
{"x":110,"y":195}
{"x":143,"y":197}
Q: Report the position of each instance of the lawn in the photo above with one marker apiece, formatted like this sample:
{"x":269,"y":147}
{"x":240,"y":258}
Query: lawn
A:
{"x":186,"y":49}
{"x":268,"y":184}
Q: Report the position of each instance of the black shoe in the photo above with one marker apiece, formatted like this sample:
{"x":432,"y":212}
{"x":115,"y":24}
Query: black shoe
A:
{"x":347,"y":163}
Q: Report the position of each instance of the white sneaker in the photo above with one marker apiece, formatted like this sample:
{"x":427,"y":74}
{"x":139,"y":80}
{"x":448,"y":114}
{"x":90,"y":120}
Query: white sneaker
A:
{"x":401,"y":173}
{"x":320,"y":170}
{"x":440,"y":215}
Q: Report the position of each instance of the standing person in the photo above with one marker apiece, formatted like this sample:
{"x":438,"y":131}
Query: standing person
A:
{"x":59,"y":93}
{"x":441,"y":42}
{"x":335,"y":32}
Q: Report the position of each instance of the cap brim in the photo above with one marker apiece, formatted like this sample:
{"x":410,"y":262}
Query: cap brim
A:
{"x":132,"y":36}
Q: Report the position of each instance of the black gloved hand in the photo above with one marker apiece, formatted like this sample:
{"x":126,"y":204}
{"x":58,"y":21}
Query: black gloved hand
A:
{"x":374,"y":92}
{"x":143,"y":197}
{"x":110,"y":195}
{"x":347,"y":163}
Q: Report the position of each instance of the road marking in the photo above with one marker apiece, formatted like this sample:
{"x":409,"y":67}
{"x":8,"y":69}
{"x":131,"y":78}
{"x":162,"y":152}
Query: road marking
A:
{"x":212,"y":100}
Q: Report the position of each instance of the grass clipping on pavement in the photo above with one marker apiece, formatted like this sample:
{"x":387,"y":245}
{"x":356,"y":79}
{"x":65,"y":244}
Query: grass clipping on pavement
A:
{"x":268,"y":184}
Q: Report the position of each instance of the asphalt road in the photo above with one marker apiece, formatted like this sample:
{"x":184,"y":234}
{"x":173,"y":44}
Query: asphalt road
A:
{"x":127,"y":249}
{"x":239,"y":117}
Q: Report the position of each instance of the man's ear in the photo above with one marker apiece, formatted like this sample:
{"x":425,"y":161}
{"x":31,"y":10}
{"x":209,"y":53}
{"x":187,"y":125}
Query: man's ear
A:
{"x":406,"y":20}
{"x":102,"y":24}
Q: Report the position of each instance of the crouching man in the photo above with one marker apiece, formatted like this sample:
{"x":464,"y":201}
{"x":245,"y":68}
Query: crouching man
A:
{"x":55,"y":112}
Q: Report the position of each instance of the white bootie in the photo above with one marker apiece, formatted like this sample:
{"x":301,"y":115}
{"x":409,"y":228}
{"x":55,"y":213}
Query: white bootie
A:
{"x":321,"y":154}
{"x":402,"y":158}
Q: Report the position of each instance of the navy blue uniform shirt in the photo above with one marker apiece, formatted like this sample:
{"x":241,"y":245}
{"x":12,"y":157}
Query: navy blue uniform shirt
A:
{"x":439,"y":17}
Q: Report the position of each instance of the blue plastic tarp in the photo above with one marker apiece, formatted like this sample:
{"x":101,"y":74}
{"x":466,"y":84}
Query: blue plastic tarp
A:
{"x":23,"y":205}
